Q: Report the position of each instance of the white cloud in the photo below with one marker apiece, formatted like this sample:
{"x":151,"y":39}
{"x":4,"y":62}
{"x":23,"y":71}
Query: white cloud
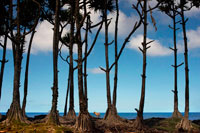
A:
{"x":156,"y":48}
{"x":43,"y":39}
{"x":193,"y":38}
{"x":96,"y":71}
{"x":125,"y":23}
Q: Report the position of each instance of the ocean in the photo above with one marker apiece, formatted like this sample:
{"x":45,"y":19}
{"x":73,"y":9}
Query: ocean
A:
{"x":192,"y":115}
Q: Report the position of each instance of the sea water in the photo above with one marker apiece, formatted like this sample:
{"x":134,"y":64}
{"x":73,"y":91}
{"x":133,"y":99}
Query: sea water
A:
{"x":192,"y":115}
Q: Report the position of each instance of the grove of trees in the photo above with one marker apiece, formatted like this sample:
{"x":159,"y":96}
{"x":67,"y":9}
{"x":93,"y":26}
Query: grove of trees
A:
{"x":19,"y":18}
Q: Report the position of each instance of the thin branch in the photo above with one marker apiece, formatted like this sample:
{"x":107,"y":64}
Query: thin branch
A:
{"x":154,"y":7}
{"x":102,"y":69}
{"x":136,"y":26}
{"x":180,"y":64}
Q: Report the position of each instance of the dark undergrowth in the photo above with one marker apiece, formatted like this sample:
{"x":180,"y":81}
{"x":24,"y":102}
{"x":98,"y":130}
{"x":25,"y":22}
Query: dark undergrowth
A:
{"x":153,"y":125}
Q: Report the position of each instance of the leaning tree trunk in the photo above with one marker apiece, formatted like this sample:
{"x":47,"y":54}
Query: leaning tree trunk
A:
{"x":67,"y":94}
{"x":53,"y":117}
{"x":26,"y":75}
{"x":109,"y":108}
{"x":111,"y":115}
{"x":14,"y":114}
{"x":116,"y":54}
{"x":185,"y":124}
{"x":176,"y":113}
{"x":138,"y":123}
{"x":71,"y":113}
{"x":3,"y":62}
{"x":83,"y":121}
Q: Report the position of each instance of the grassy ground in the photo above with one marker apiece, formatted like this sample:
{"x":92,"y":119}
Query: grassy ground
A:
{"x":167,"y":125}
{"x":153,"y":125}
{"x":34,"y":128}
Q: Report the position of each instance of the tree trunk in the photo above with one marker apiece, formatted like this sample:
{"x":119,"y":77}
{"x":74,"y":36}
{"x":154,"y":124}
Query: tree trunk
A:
{"x":139,"y":120}
{"x":185,"y":124}
{"x":83,"y":122}
{"x":3,"y":62}
{"x":26,"y":74}
{"x":85,"y":63}
{"x":176,"y":113}
{"x":107,"y":59}
{"x":67,"y":94}
{"x":14,"y":114}
{"x":71,"y":113}
{"x":116,"y":54}
{"x":53,"y":117}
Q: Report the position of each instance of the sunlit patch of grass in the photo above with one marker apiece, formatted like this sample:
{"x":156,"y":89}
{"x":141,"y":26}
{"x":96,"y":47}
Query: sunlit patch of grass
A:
{"x":32,"y":128}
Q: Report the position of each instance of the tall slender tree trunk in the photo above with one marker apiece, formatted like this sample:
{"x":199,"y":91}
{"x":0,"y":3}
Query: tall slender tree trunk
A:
{"x":185,"y":123}
{"x":53,"y":117}
{"x":71,"y":113}
{"x":14,"y":114}
{"x":67,"y":94}
{"x":106,"y":117}
{"x":139,"y":120}
{"x":3,"y":62}
{"x":83,"y":122}
{"x":176,"y":113}
{"x":116,"y":54}
{"x":26,"y":74}
{"x":111,"y":112}
{"x":85,"y":63}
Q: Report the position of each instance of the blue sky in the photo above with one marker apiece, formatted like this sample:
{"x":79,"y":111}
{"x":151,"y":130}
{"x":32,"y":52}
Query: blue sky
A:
{"x":160,"y":80}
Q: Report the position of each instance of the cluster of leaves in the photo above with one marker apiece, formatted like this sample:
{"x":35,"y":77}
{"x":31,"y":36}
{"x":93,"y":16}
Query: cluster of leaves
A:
{"x":4,"y":16}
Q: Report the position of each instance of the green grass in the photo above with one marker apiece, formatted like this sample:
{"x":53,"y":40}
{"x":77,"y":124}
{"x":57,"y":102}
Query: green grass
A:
{"x":32,"y":128}
{"x":169,"y":125}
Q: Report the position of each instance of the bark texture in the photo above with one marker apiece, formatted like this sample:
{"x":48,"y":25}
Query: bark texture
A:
{"x":53,"y":117}
{"x":185,"y":124}
{"x":14,"y":114}
{"x":67,"y":94}
{"x":71,"y":113}
{"x":3,"y":62}
{"x":83,"y":121}
{"x":26,"y":75}
{"x":138,"y":123}
{"x":176,"y":113}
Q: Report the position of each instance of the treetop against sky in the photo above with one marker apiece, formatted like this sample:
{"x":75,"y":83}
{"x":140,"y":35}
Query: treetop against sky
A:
{"x":160,"y":82}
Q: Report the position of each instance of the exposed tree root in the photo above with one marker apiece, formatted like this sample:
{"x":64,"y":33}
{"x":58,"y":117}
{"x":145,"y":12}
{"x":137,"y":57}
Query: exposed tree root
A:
{"x":52,"y":118}
{"x":14,"y":115}
{"x":71,"y":115}
{"x":184,"y":125}
{"x":138,"y":124}
{"x":177,"y":114}
{"x":111,"y":116}
{"x":84,"y":123}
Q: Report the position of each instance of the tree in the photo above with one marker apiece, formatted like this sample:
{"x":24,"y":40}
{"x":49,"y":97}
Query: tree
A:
{"x":53,"y":117}
{"x":169,"y":8}
{"x":138,"y":123}
{"x":185,"y":124}
{"x":83,"y":121}
{"x":14,"y":114}
{"x":105,"y":6}
{"x":27,"y":17}
{"x":71,"y":113}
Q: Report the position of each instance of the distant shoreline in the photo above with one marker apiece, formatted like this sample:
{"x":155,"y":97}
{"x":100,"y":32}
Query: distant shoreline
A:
{"x":126,"y":115}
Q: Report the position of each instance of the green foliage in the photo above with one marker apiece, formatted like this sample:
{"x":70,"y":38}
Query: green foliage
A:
{"x":32,"y":128}
{"x":99,"y":5}
{"x":28,"y":13}
{"x":3,"y":16}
